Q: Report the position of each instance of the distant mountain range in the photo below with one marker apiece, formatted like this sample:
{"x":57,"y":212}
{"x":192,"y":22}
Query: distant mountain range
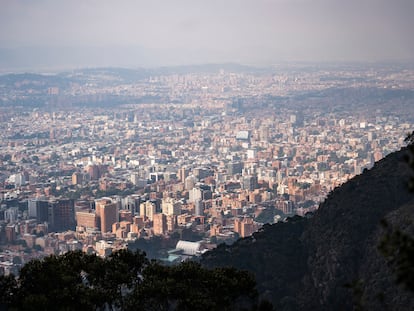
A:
{"x":43,"y":58}
{"x":331,"y":261}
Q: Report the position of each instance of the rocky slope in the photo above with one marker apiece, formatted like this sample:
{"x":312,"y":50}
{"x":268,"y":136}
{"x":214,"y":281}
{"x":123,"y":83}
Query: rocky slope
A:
{"x":331,"y":261}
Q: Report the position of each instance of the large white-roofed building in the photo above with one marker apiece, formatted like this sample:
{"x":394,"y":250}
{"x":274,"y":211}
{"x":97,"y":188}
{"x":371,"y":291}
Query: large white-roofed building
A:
{"x":189,"y":248}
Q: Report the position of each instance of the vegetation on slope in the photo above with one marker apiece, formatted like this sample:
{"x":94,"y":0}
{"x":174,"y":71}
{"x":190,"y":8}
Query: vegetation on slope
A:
{"x":125,"y":281}
{"x":340,"y":259}
{"x":308,"y":264}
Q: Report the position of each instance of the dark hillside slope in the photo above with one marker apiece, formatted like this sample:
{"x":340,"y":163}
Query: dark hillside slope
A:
{"x":275,"y":255}
{"x":305,"y":264}
{"x":345,"y":233}
{"x":374,"y":273}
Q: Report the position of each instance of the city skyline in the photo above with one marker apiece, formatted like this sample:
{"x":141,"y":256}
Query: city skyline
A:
{"x":49,"y":34}
{"x":90,"y":151}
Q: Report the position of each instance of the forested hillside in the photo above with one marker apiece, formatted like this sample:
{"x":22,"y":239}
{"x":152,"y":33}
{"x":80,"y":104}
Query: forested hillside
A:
{"x":332,"y":260}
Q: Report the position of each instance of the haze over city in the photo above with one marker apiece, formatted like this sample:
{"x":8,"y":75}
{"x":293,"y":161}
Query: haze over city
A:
{"x":50,"y":34}
{"x":206,"y":155}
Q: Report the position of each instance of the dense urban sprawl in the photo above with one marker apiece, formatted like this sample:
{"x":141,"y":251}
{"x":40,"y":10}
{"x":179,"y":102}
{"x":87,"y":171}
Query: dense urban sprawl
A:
{"x":187,"y":159}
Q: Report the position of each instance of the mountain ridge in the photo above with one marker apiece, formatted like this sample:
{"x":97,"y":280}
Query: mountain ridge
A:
{"x":308,"y":264}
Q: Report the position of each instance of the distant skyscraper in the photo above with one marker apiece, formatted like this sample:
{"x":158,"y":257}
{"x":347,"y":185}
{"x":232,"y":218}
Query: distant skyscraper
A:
{"x":160,"y":224}
{"x":264,"y":133}
{"x":202,"y":172}
{"x":377,"y":156}
{"x":10,"y":214}
{"x":195,"y":194}
{"x":234,"y":168}
{"x":288,"y":207}
{"x":125,"y":215}
{"x":244,"y":227}
{"x":170,"y":206}
{"x":10,"y":233}
{"x":107,"y":214}
{"x":20,"y":179}
{"x":250,"y":182}
{"x":148,"y":209}
{"x":183,"y":173}
{"x":93,"y":171}
{"x":198,"y":208}
{"x":61,"y":215}
{"x":171,"y":222}
{"x":76,"y":178}
{"x":38,"y":209}
{"x":190,"y":182}
{"x":297,"y":119}
{"x":88,"y":220}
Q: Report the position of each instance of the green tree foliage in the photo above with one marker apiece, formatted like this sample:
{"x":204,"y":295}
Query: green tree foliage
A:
{"x":7,"y":285}
{"x":74,"y":281}
{"x":125,"y":281}
{"x":188,"y":286}
{"x":275,"y":255}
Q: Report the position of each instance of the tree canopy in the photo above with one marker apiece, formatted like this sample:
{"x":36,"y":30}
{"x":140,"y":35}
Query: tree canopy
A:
{"x":125,"y":280}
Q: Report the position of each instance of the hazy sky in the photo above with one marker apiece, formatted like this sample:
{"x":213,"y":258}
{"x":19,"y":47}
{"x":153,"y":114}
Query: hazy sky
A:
{"x":155,"y":32}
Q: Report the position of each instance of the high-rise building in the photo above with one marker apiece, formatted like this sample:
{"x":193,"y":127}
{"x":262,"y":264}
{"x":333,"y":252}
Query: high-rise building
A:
{"x":244,"y":227}
{"x":202,"y":172}
{"x":171,"y":222}
{"x":250,"y":182}
{"x":139,"y":221}
{"x":77,"y":178}
{"x":237,"y":225}
{"x":87,"y":220}
{"x":377,"y":156}
{"x":215,"y":229}
{"x":183,"y":173}
{"x":107,"y":213}
{"x":190,"y":182}
{"x":125,"y":215}
{"x":195,"y":194}
{"x":93,"y":171}
{"x":10,"y":233}
{"x":289,"y":208}
{"x":234,"y":168}
{"x":61,"y":214}
{"x":108,"y":217}
{"x":148,"y":209}
{"x":20,"y":179}
{"x":160,"y":224}
{"x":198,"y":208}
{"x":10,"y":214}
{"x":170,"y":206}
{"x":264,"y":133}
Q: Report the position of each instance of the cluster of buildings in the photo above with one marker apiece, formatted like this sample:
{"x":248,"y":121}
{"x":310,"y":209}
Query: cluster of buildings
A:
{"x":197,"y":174}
